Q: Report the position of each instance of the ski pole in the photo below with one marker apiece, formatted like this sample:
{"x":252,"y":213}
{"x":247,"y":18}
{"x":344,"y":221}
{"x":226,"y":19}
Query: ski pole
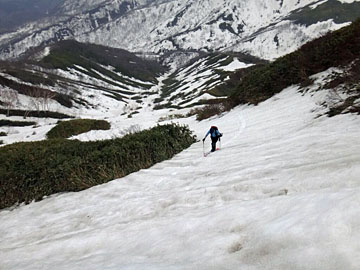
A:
{"x":203,"y":148}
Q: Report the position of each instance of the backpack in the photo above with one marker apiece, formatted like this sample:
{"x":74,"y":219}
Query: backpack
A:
{"x":212,"y":130}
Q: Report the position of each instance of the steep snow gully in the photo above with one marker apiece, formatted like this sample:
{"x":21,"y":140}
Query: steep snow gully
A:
{"x":282,"y":193}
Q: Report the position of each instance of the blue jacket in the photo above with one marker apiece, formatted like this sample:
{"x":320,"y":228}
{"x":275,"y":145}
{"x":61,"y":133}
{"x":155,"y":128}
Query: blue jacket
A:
{"x":215,"y":134}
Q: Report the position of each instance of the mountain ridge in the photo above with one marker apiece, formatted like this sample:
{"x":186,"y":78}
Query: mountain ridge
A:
{"x":163,"y":26}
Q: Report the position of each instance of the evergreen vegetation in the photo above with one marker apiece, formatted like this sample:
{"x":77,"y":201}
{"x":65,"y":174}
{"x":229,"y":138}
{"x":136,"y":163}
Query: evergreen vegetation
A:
{"x":38,"y":114}
{"x":29,"y":171}
{"x":35,"y":91}
{"x":30,"y":77}
{"x":66,"y":129}
{"x":10,"y":123}
{"x":69,"y":53}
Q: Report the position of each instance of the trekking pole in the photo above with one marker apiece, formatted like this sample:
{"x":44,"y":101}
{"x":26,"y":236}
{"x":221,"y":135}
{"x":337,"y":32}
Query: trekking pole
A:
{"x":203,"y":148}
{"x":220,"y":143}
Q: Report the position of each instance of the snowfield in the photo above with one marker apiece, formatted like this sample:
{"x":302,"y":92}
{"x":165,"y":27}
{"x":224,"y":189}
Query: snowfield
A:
{"x":282,"y":193}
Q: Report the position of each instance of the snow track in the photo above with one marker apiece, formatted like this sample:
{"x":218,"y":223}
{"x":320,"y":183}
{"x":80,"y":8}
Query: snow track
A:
{"x":283,"y":193}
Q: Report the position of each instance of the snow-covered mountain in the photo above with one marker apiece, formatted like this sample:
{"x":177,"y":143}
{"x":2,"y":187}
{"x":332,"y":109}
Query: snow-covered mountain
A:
{"x":264,"y":29}
{"x":92,"y":78}
{"x":75,"y":74}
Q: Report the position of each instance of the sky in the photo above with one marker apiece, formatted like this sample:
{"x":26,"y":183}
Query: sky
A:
{"x":13,"y":13}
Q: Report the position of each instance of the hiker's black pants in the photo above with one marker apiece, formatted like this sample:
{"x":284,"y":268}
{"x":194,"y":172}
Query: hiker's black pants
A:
{"x":213,"y":143}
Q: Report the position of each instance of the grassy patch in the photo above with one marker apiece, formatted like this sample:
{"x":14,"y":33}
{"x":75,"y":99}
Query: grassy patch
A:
{"x":66,"y":129}
{"x":30,"y":171}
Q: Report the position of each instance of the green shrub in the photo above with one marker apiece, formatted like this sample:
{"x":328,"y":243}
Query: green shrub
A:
{"x":30,"y":90}
{"x":166,"y":106}
{"x":209,"y":110}
{"x":38,"y":114}
{"x":3,"y":134}
{"x":158,"y":100}
{"x":66,"y":129}
{"x":10,"y":123}
{"x":31,"y":170}
{"x":171,"y":117}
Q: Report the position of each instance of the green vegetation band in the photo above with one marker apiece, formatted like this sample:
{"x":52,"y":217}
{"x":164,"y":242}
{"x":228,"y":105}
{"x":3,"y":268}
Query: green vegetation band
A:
{"x":29,"y":171}
{"x":66,"y":129}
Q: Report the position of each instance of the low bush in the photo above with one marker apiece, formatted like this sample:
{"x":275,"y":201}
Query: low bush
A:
{"x":38,"y":114}
{"x":3,"y":134}
{"x":347,"y":105}
{"x":10,"y":123}
{"x":30,"y":77}
{"x":171,"y":117}
{"x":213,"y":107}
{"x":31,"y":170}
{"x":35,"y":91}
{"x":66,"y":129}
{"x":208,"y":111}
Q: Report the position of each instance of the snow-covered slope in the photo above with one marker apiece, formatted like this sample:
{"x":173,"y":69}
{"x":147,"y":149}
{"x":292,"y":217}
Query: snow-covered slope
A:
{"x":282,"y":193}
{"x":96,"y":78}
{"x":194,"y":82}
{"x":162,"y":26}
{"x":89,"y":77}
{"x":85,"y":91}
{"x":96,"y":94}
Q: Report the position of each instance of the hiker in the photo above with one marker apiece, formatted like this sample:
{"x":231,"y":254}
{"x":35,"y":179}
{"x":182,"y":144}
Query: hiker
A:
{"x":215,"y":135}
